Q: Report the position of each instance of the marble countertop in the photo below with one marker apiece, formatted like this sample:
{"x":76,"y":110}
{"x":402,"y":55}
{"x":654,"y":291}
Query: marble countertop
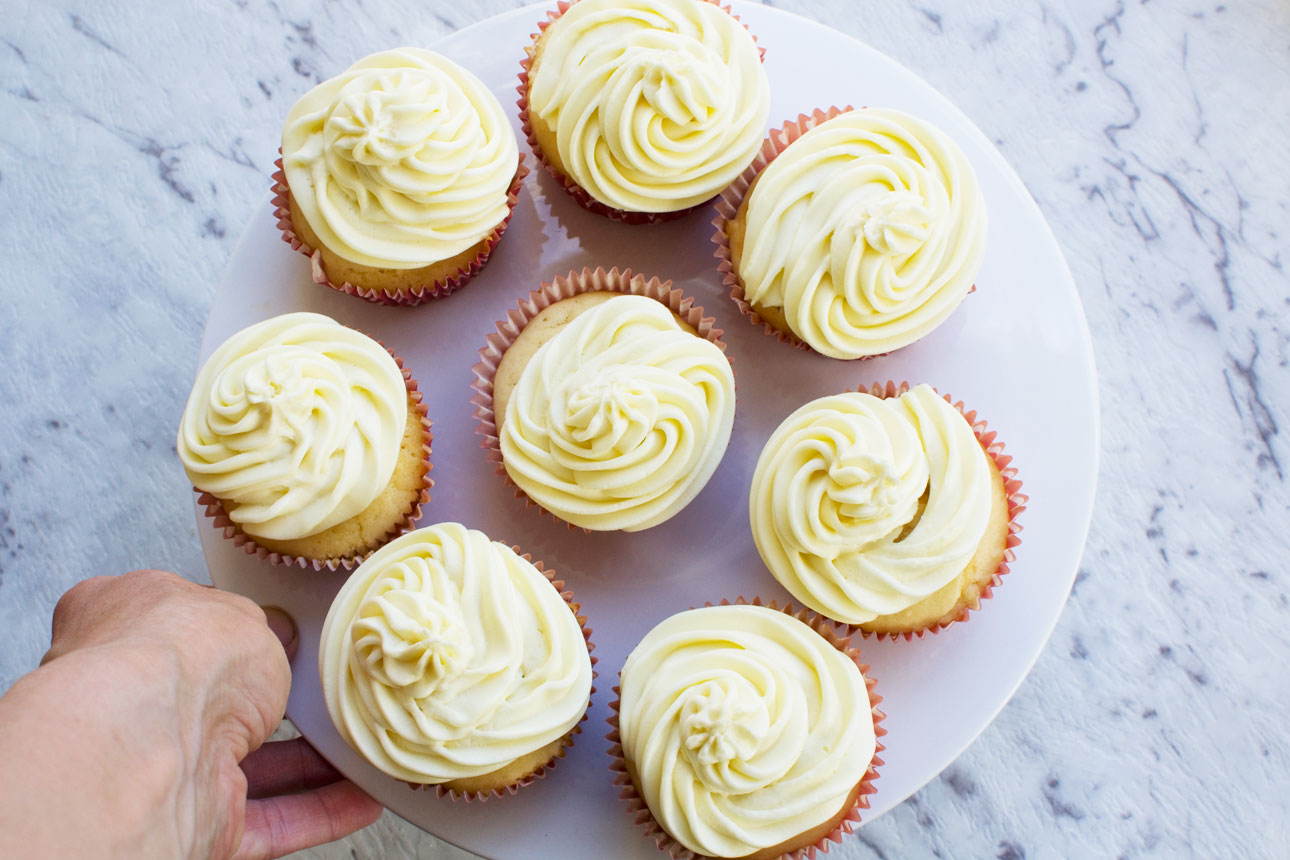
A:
{"x":138,"y":139}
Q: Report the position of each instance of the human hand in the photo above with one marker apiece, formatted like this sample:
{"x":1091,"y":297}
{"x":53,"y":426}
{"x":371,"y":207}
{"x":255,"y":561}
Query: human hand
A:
{"x":296,"y":800}
{"x":141,"y":733}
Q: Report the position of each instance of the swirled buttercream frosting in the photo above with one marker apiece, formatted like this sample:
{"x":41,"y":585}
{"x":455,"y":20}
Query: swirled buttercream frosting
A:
{"x":742,"y":728}
{"x":403,"y":160}
{"x":620,"y":419}
{"x":656,"y":105}
{"x":863,"y":506}
{"x":447,"y":656}
{"x":294,"y":424}
{"x":867,"y":231}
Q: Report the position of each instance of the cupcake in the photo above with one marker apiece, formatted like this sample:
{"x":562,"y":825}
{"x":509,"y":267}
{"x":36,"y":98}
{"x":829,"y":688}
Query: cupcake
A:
{"x":610,"y":411}
{"x":746,"y":732}
{"x":307,"y":441}
{"x":398,"y":176}
{"x":644,"y":109}
{"x":447,"y":659}
{"x":862,"y":230}
{"x":891,"y":512}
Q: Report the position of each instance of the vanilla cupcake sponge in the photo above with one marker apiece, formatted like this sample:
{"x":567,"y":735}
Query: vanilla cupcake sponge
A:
{"x":646,"y":108}
{"x":854,"y":232}
{"x":891,"y":510}
{"x":745,"y":731}
{"x":448,"y":659}
{"x":398,"y":176}
{"x":606,"y":399}
{"x":307,"y":441}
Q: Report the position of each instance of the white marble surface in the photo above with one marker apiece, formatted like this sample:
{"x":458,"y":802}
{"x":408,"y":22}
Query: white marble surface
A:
{"x":137,"y":139}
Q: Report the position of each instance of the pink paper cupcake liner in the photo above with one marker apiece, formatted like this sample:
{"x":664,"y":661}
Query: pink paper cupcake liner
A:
{"x":544,"y":769}
{"x":415,"y":296}
{"x":580,"y":194}
{"x":640,"y":811}
{"x":214,"y":508}
{"x":572,"y":284}
{"x":993,"y":447}
{"x":727,"y":207}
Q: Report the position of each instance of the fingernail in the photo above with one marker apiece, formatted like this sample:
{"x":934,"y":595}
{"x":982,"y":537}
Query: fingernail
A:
{"x":282,"y":626}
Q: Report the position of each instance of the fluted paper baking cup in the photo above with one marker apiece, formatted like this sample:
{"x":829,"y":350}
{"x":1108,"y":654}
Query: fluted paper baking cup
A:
{"x":835,"y":635}
{"x":576,"y":191}
{"x":214,"y":507}
{"x":507,"y":331}
{"x":548,"y":766}
{"x":414,"y":296}
{"x":994,"y":448}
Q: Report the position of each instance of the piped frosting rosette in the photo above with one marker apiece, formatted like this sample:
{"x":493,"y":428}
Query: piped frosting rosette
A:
{"x":294,"y":424}
{"x":620,"y":419}
{"x":742,"y":727}
{"x":656,"y":105}
{"x":862,"y":506}
{"x":864,"y":229}
{"x":403,"y":160}
{"x":447,"y":656}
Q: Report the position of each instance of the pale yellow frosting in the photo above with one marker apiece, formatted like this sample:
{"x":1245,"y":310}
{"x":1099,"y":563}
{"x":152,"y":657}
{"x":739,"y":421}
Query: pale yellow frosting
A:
{"x":403,"y":160}
{"x":620,"y":419}
{"x":446,"y":656}
{"x":839,"y":480}
{"x":867,"y":231}
{"x":295,"y":424}
{"x":745,"y":727}
{"x":656,"y":105}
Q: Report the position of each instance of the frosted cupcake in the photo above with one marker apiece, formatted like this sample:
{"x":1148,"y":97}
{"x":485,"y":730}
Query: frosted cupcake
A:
{"x":398,"y":176}
{"x":307,"y":440}
{"x":610,"y":411}
{"x":854,"y":233}
{"x":646,"y":108}
{"x":447,"y":659}
{"x":746,"y":732}
{"x":887,"y":512}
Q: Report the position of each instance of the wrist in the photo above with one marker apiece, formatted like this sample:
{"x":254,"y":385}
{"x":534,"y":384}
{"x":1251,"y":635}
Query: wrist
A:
{"x":94,"y":736}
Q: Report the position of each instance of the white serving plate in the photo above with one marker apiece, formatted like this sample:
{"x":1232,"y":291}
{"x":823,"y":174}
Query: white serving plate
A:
{"x":1017,"y":350}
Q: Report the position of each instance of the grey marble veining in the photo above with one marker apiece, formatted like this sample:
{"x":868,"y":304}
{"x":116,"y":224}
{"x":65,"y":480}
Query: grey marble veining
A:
{"x":137,"y":139}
